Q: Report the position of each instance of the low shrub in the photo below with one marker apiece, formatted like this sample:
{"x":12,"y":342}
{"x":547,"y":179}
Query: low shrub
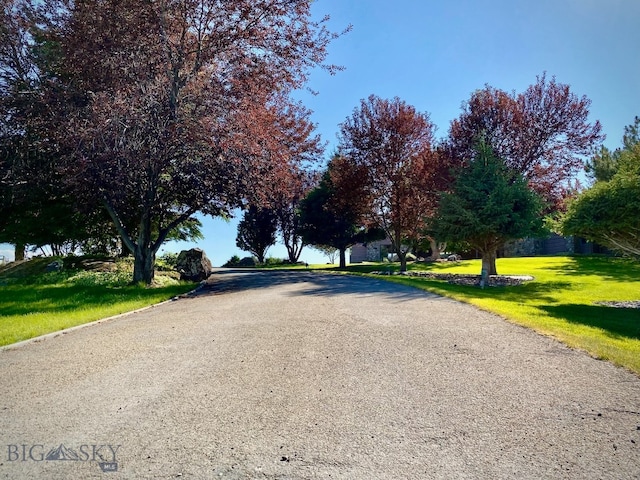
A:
{"x":248,"y":262}
{"x":167,"y":262}
{"x":166,"y":279}
{"x":271,"y":261}
{"x":236,"y":261}
{"x":232,"y":262}
{"x":88,"y":278}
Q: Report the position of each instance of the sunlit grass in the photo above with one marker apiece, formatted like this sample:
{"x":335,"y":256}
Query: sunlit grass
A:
{"x":35,"y":304}
{"x":30,"y":311}
{"x":561,"y":301}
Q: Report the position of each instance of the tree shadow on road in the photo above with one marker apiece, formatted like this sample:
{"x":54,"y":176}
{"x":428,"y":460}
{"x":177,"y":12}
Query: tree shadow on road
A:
{"x":315,"y":283}
{"x":530,"y":291}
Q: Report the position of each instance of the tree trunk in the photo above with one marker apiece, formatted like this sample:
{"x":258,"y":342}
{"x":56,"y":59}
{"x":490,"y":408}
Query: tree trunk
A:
{"x":144,"y":265}
{"x":144,"y":253}
{"x":489,"y":261}
{"x":402,"y":256}
{"x":436,"y":248}
{"x":19,"y":251}
{"x":343,"y":258}
{"x":294,"y":249}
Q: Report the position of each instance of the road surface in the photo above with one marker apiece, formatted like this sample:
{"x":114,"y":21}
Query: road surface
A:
{"x":301,"y":375}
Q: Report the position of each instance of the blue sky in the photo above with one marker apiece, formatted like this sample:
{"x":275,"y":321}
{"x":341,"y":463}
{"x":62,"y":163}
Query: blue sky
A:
{"x":434,"y":53}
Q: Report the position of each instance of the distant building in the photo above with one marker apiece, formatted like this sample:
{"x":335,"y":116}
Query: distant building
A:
{"x":370,"y":252}
{"x":527,"y":247}
{"x":554,"y":244}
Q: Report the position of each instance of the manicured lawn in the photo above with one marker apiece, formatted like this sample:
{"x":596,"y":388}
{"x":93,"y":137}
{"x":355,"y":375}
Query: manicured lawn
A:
{"x":562,"y":300}
{"x":33,"y":305}
{"x":27,"y":312}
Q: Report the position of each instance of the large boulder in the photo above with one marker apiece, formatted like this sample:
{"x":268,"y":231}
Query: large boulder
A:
{"x":193,"y":265}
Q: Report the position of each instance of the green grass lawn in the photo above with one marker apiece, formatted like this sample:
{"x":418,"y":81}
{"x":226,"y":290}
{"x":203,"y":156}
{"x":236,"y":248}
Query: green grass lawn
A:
{"x":33,"y":304}
{"x":562,"y":300}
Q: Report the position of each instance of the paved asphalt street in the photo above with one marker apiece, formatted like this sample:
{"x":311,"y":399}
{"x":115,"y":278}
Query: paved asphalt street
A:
{"x":283,"y":375}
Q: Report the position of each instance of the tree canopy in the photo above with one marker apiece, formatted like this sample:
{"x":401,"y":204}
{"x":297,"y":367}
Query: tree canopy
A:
{"x":605,"y":163}
{"x":257,"y":231}
{"x":543,"y":133}
{"x":147,"y":113}
{"x":334,"y":213}
{"x":394,"y":144}
{"x":285,"y":202}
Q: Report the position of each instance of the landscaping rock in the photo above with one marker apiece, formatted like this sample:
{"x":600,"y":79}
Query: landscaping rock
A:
{"x":459,"y":279}
{"x":97,"y":265}
{"x":193,"y":265}
{"x":622,"y":304}
{"x":55,"y":266}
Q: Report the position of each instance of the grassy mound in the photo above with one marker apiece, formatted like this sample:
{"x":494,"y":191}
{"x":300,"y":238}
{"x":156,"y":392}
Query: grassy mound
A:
{"x":35,"y":300}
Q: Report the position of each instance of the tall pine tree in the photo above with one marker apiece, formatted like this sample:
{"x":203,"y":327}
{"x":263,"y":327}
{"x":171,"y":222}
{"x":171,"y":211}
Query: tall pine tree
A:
{"x":489,"y":205}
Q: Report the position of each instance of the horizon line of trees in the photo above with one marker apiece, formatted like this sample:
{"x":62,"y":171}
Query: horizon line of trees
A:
{"x":508,"y":163}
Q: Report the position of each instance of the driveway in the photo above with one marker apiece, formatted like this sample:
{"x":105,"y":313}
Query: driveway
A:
{"x":282,"y":375}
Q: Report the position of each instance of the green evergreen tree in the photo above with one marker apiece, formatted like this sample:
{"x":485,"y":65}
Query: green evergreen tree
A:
{"x":606,"y":163}
{"x":488,"y":206}
{"x":331,"y":215}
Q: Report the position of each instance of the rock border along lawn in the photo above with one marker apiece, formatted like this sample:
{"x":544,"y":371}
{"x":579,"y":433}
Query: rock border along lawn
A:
{"x":462,"y":279}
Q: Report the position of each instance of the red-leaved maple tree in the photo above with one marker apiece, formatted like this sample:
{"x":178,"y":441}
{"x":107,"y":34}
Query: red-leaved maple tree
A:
{"x":395,"y":143}
{"x":543,"y":133}
{"x":177,"y":107}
